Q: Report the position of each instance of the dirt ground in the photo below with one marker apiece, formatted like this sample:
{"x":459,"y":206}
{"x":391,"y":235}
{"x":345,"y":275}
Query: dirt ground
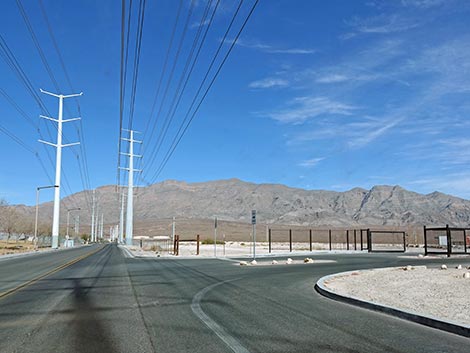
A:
{"x":442,"y":294}
{"x":16,"y":247}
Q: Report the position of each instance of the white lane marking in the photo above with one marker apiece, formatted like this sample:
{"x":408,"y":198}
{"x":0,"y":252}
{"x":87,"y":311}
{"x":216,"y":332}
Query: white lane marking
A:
{"x":127,"y":252}
{"x":229,"y":340}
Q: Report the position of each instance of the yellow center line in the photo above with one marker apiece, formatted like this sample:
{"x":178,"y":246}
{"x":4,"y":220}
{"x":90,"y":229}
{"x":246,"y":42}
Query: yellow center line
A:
{"x":57,"y":269}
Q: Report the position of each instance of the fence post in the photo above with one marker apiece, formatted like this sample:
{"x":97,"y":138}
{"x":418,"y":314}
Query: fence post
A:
{"x":347,"y":239}
{"x":362,"y":246}
{"x":269,"y":239}
{"x":404,"y":241}
{"x":290,"y":240}
{"x":310,"y":236}
{"x":449,"y":241}
{"x":425,"y":241}
{"x":197,"y":244}
{"x":174,"y":245}
{"x":355,"y":243}
{"x":329,"y":237}
{"x":369,"y":241}
{"x":177,"y":240}
{"x":465,"y":240}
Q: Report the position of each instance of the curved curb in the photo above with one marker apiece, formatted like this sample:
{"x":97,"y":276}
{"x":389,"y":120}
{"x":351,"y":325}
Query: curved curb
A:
{"x":402,"y":314}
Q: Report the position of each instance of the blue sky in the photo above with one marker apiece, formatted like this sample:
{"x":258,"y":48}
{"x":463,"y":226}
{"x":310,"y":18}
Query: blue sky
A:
{"x":317,"y":95}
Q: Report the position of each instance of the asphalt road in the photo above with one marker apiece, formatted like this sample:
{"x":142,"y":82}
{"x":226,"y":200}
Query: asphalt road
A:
{"x":109,"y":303}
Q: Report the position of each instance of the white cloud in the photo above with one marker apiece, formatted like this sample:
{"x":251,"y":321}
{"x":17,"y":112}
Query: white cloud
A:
{"x":266,"y":48}
{"x":305,"y":108}
{"x":198,"y":24}
{"x":383,"y":24}
{"x":332,"y":78}
{"x":269,"y":83}
{"x":423,"y":4}
{"x":453,"y":183}
{"x":371,"y":132}
{"x":309,"y":163}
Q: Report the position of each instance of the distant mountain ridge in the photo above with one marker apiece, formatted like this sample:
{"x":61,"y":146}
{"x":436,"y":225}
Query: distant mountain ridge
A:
{"x":234,"y":199}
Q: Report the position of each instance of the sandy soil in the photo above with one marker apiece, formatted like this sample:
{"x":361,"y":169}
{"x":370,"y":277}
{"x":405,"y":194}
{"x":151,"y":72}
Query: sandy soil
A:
{"x":13,"y":247}
{"x":232,"y":249}
{"x":443,"y":294}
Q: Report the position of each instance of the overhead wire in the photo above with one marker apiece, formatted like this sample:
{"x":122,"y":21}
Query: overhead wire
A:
{"x":172,"y":70}
{"x":182,"y":87}
{"x":177,"y":140}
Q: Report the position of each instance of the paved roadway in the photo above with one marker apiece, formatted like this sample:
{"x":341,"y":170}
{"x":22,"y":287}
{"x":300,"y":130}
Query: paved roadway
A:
{"x":109,"y":303}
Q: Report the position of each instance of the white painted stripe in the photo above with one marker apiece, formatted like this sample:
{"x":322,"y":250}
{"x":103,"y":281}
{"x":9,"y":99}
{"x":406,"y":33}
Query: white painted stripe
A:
{"x":127,"y":253}
{"x":229,"y":340}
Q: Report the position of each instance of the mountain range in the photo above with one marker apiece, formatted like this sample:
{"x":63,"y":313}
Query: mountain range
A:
{"x":233,"y":200}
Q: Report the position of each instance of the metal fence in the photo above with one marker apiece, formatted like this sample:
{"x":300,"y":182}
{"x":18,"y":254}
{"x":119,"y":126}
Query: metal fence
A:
{"x":446,"y":240}
{"x":386,"y":241}
{"x":315,"y":239}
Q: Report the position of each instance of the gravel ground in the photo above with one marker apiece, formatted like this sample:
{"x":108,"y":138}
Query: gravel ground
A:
{"x":236,"y":249}
{"x":443,"y":294}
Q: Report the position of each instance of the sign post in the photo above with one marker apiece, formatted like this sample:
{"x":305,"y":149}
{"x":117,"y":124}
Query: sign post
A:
{"x":253,"y":222}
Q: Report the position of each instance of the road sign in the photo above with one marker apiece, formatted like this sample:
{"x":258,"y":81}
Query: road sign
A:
{"x":253,"y":217}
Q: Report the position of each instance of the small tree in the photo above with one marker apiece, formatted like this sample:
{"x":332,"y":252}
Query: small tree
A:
{"x":9,"y":219}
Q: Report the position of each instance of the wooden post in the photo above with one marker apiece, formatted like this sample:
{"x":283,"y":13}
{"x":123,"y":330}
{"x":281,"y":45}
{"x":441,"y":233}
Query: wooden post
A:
{"x":269,"y":239}
{"x":310,"y":236}
{"x":425,"y":241}
{"x":347,"y":239}
{"x":355,"y":244}
{"x":177,"y":245}
{"x":197,"y":244}
{"x":290,"y":240}
{"x":329,"y":237}
{"x":449,"y":241}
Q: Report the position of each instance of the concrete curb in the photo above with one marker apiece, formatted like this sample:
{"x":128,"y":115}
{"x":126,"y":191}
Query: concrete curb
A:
{"x":462,"y":330}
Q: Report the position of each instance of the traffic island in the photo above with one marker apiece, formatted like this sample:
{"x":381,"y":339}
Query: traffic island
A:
{"x":433,"y":297}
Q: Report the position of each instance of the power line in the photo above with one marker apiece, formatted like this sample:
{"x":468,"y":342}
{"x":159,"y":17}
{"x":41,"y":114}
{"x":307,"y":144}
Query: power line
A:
{"x":81,"y":136}
{"x":172,"y":70}
{"x":137,"y":51}
{"x":182,"y":87}
{"x":167,"y":55}
{"x":175,"y":144}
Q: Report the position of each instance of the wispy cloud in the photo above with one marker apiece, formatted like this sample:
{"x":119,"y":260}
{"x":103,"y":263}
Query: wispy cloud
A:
{"x":269,"y":82}
{"x":305,"y":108}
{"x":310,"y":163}
{"x":270,"y":49}
{"x":199,"y":24}
{"x":453,"y":183}
{"x":371,"y":132}
{"x":332,"y":78}
{"x":423,"y":4}
{"x":384,"y":23}
{"x":355,"y":134}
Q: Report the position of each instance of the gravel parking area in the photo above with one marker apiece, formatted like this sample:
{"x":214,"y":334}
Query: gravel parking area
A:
{"x":439,"y":293}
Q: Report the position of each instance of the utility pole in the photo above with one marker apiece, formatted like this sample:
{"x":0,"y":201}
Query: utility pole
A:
{"x":102,"y":226}
{"x":39,"y":188}
{"x":58,"y":146}
{"x":130,"y":189}
{"x":68,"y":219}
{"x":173,"y":230}
{"x":215,"y":237}
{"x":92,"y":234}
{"x":121,"y":220}
{"x":77,"y":225}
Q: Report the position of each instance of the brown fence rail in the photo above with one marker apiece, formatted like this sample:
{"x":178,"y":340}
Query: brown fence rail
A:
{"x":446,"y":240}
